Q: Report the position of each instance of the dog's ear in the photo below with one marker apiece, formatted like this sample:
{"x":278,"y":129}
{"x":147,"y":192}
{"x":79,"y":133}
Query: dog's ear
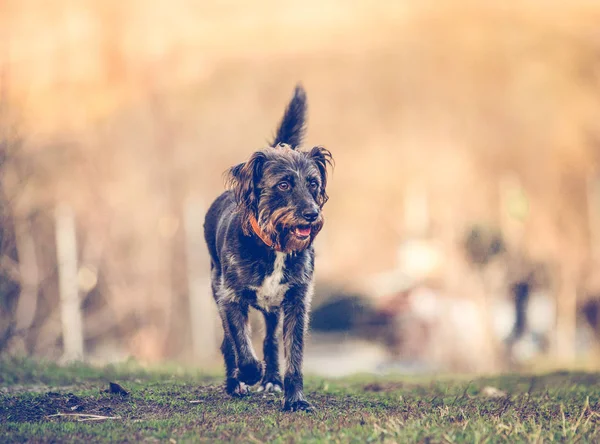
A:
{"x":242,"y":180}
{"x":322,"y":159}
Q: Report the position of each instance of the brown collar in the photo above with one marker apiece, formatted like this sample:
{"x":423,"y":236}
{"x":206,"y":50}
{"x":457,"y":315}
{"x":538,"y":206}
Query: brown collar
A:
{"x":261,"y":234}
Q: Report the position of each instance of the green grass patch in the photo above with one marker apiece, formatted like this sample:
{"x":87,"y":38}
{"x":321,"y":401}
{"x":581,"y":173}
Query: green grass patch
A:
{"x":43,"y":402}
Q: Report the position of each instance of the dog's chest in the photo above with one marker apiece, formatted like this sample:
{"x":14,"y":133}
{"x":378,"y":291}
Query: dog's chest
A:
{"x":271,"y":291}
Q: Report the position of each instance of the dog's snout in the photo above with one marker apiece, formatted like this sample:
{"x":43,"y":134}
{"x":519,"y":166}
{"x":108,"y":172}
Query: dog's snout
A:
{"x":310,"y":214}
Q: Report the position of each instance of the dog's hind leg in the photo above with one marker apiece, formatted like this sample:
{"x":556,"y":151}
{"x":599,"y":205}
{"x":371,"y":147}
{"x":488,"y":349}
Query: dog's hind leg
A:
{"x":233,"y":385}
{"x":235,"y":318}
{"x":272,"y":379}
{"x":295,"y":323}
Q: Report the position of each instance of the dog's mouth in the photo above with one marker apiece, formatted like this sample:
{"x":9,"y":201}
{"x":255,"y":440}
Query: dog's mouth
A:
{"x":302,"y":231}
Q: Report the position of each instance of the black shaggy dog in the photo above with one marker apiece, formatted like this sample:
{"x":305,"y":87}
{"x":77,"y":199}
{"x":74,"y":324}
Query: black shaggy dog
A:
{"x":259,"y":234}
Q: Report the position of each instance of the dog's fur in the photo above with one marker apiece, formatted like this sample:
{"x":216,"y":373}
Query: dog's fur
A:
{"x":259,"y":234}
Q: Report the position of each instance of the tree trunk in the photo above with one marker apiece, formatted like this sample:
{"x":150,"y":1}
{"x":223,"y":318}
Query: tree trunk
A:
{"x":66,"y":250}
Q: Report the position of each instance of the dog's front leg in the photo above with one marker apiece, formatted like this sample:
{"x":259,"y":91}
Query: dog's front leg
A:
{"x":272,"y":378}
{"x":295,"y":322}
{"x":250,"y":369}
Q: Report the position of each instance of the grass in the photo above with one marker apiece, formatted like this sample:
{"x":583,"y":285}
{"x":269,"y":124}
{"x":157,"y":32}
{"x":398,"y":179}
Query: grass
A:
{"x":170,"y":405}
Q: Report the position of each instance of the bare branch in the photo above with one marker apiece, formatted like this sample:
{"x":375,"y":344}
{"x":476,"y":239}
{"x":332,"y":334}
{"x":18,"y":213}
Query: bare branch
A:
{"x":83,"y":416}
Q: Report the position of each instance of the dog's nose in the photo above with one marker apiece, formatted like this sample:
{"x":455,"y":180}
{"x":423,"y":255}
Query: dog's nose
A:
{"x":310,"y":215}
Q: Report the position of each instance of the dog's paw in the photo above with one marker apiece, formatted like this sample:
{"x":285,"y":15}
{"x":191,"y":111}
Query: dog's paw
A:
{"x":271,"y":383}
{"x":236,"y":388}
{"x":251,"y":372}
{"x":268,"y":387}
{"x":300,"y":405}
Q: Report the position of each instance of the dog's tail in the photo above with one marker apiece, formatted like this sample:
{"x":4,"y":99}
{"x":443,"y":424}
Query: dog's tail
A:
{"x":292,"y":127}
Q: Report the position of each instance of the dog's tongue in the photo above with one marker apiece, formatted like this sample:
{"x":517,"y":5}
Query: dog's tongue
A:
{"x":303,"y":231}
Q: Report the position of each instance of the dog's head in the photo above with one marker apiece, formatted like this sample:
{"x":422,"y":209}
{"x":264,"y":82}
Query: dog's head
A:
{"x":283,"y":191}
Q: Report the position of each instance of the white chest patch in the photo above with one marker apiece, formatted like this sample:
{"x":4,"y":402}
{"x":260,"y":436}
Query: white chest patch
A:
{"x":271,"y":291}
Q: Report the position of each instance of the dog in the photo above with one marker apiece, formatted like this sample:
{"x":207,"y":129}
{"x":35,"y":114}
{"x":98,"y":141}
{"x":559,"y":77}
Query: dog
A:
{"x":260,"y":235}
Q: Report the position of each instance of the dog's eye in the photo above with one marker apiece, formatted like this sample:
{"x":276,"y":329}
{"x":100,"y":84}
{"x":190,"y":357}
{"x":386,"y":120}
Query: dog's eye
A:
{"x":313,"y":184}
{"x":283,"y":186}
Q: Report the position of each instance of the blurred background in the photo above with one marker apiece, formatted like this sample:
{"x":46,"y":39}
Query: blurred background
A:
{"x":463,"y":227}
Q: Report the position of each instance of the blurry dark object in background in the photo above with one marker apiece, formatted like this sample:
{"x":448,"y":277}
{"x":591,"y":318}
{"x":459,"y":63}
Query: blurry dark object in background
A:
{"x":591,"y":313}
{"x":520,"y":291}
{"x":483,"y":244}
{"x":387,"y":321}
{"x":353,"y":314}
{"x":341,"y":313}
